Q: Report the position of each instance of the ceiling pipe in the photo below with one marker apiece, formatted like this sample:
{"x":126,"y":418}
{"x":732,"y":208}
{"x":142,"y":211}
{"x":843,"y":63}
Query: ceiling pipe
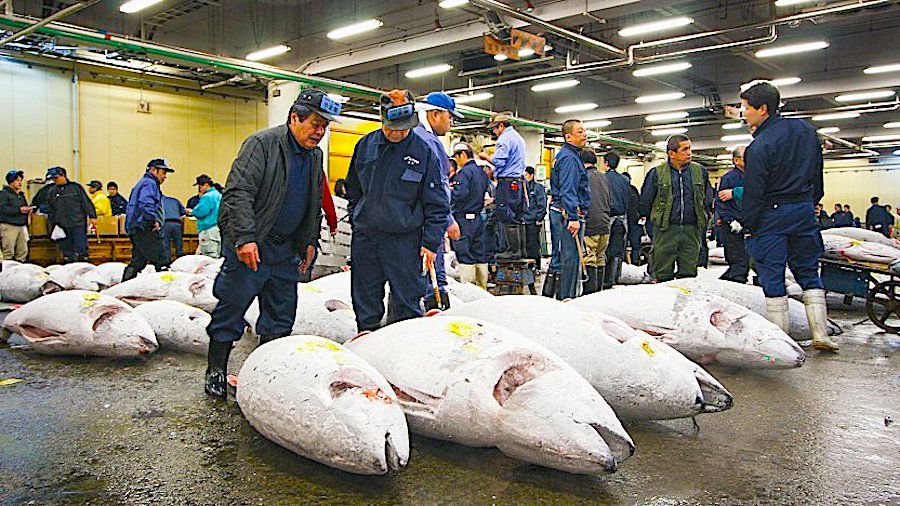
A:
{"x":49,"y":19}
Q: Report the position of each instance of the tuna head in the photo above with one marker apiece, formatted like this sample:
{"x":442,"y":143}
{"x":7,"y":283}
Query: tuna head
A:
{"x":79,"y":322}
{"x":753,"y":341}
{"x":25,"y":282}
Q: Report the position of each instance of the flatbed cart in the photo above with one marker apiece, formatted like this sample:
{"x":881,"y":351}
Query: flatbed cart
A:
{"x":857,"y":279}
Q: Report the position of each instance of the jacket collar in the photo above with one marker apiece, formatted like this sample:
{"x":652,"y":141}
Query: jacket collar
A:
{"x":151,"y":177}
{"x":771,"y":120}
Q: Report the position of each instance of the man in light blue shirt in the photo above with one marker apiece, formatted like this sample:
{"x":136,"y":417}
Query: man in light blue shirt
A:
{"x":509,"y":167}
{"x":207,"y":213}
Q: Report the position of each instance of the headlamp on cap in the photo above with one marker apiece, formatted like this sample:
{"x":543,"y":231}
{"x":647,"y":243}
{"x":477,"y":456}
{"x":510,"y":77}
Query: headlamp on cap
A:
{"x":400,"y":112}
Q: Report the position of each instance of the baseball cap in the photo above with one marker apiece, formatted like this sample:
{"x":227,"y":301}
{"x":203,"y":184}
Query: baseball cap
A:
{"x":320,"y":103}
{"x":398,"y":110}
{"x":203,"y":179}
{"x":95,"y":184}
{"x":13,"y":175}
{"x":55,"y":171}
{"x":462,"y":146}
{"x":439,"y":101}
{"x":159,"y":163}
{"x":500,"y":117}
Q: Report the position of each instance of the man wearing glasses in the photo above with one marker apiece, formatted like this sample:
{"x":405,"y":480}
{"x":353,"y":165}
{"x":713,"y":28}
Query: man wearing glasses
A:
{"x":14,"y":211}
{"x":269,"y":218}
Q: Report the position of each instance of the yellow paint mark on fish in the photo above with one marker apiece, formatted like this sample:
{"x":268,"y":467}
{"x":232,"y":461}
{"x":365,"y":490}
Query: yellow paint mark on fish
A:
{"x":473,"y":348}
{"x":646,"y":347}
{"x":311,"y":289}
{"x":89,"y":299}
{"x":855,"y":243}
{"x":168,"y":277}
{"x":462,"y":329}
{"x":683,"y":289}
{"x":9,"y":381}
{"x":43,"y":275}
{"x":314,"y":346}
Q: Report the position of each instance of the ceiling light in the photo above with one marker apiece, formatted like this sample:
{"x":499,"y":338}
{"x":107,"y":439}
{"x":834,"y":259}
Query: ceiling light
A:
{"x":475,"y":97}
{"x":600,"y":123}
{"x":576,"y":108}
{"x":785,"y":81}
{"x":646,"y":99}
{"x":662,"y":69}
{"x":427,"y":71}
{"x":868,"y":95}
{"x":338,"y":98}
{"x":449,"y":4}
{"x":791,"y":49}
{"x":362,"y":115}
{"x":555,"y":85}
{"x":666,"y":116}
{"x":660,"y":144}
{"x":881,"y":69}
{"x":893,"y":124}
{"x":737,"y":138}
{"x":732,"y":126}
{"x":785,"y":3}
{"x":501,"y":57}
{"x":526,"y":52}
{"x":897,"y":152}
{"x":136,"y":5}
{"x":836,"y":115}
{"x":882,"y":138}
{"x":665,"y":132}
{"x":354,"y":29}
{"x":726,"y":156}
{"x":269,"y":52}
{"x":656,"y":26}
{"x":829,"y":130}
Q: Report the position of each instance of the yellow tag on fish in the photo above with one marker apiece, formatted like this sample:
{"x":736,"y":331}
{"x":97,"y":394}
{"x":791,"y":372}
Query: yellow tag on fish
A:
{"x":646,"y":347}
{"x":854,"y":243}
{"x":313,"y":289}
{"x":89,"y":299}
{"x":168,"y":277}
{"x":9,"y":381}
{"x":472,"y":347}
{"x":683,"y":289}
{"x":462,"y":329}
{"x":313,"y":346}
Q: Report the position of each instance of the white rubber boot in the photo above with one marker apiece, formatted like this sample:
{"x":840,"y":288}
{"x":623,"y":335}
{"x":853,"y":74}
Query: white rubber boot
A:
{"x":467,"y":273}
{"x":817,"y":312}
{"x":777,"y":312}
{"x":481,"y":275}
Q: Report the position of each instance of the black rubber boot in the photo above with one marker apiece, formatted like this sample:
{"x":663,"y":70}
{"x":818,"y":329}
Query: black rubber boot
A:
{"x":269,"y":338}
{"x":549,"y":289}
{"x":217,"y":369}
{"x":593,"y":282}
{"x":443,"y":304}
{"x":609,"y":274}
{"x":515,"y":237}
{"x":616,"y":268}
{"x":601,"y":279}
{"x":130,"y":273}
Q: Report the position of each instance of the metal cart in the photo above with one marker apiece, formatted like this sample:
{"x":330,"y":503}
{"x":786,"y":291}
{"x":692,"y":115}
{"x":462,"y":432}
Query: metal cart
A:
{"x":856,"y":279}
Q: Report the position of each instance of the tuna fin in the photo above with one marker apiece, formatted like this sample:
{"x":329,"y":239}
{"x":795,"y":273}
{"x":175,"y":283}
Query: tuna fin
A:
{"x":37,"y":334}
{"x":51,"y":287}
{"x":333,"y":305}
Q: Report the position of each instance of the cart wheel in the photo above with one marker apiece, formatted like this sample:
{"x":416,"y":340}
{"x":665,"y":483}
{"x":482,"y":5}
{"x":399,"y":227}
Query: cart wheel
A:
{"x":883,"y":305}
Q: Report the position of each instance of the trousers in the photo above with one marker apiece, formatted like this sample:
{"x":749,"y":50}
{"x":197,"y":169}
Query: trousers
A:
{"x":788,"y":236}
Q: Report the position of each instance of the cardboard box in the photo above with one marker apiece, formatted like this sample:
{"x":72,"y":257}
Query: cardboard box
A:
{"x":108,"y":225}
{"x":39,"y":226}
{"x":190,"y":226}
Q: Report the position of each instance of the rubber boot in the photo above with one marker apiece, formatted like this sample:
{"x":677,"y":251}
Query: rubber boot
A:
{"x":550,"y":280}
{"x":515,"y":237}
{"x":481,"y":275}
{"x":430,"y":303}
{"x":777,"y":312}
{"x":592,"y":284}
{"x":263,"y":339}
{"x":217,"y":369}
{"x":817,"y":312}
{"x":601,"y":278}
{"x":468,"y":273}
{"x":130,"y":273}
{"x":616,"y":270}
{"x":609,"y":276}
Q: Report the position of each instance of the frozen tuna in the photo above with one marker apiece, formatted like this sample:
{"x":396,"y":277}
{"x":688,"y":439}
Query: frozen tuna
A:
{"x":25,"y":282}
{"x":177,"y":325}
{"x":317,"y":314}
{"x":191,"y":289}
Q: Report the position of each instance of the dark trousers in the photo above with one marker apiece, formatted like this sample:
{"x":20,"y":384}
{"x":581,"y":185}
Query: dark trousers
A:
{"x":75,"y":246}
{"x":146,"y":248}
{"x":617,"y":234}
{"x":678,"y":244}
{"x":533,"y":243}
{"x":635,"y":233}
{"x":172,"y":232}
{"x":491,"y":237}
{"x":274,"y":283}
{"x":788,"y":236}
{"x":735,"y":256}
{"x":569,"y":267}
{"x":380,"y":259}
{"x":509,"y":198}
{"x":470,"y":246}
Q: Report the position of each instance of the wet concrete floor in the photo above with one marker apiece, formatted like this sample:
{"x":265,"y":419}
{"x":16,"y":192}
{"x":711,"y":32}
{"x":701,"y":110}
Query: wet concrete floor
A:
{"x":97,"y":431}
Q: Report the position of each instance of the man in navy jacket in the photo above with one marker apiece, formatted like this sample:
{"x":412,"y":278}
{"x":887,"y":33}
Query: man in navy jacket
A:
{"x":729,"y":212}
{"x":144,"y":218}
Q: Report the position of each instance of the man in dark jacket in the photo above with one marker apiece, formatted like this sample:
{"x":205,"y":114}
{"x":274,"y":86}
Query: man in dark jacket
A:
{"x":878,"y":218}
{"x":620,"y":199}
{"x":533,"y":216}
{"x":116,"y":200}
{"x":635,"y":224}
{"x":596,"y":224}
{"x":144,"y":219}
{"x":468,"y":186}
{"x":732,"y":230}
{"x":269,"y":218}
{"x":14,"y":211}
{"x":70,"y":209}
{"x":173,"y":228}
{"x":398,"y":208}
{"x":675,"y":198}
{"x":40,"y":197}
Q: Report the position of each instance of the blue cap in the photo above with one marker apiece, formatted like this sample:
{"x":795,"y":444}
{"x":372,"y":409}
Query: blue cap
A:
{"x":439,"y":100}
{"x":55,"y":172}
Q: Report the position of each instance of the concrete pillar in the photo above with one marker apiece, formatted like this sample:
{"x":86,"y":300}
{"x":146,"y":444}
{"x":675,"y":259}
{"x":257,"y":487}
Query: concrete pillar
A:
{"x":533,"y":145}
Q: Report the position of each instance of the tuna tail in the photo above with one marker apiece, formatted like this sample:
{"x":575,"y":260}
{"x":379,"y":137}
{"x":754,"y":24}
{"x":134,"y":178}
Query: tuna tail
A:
{"x":715,"y":397}
{"x":391,"y":457}
{"x":51,"y":287}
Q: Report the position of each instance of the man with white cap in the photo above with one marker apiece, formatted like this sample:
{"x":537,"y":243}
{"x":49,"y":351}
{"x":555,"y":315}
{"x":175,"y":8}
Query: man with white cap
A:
{"x":436,"y":115}
{"x":398,"y":209}
{"x":467,"y":201}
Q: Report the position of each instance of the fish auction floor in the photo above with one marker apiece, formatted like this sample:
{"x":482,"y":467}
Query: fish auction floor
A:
{"x":97,"y":431}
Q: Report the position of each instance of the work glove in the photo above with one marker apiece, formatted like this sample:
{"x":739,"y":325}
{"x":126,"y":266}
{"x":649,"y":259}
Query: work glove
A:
{"x":736,"y":227}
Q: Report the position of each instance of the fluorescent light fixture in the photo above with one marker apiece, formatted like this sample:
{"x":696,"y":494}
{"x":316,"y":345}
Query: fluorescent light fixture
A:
{"x":737,"y":138}
{"x":501,"y":57}
{"x":354,"y":29}
{"x":785,"y":3}
{"x":829,"y":130}
{"x":660,"y":144}
{"x":882,"y":69}
{"x":881,"y":138}
{"x":362,"y":115}
{"x":428,"y":71}
{"x":449,"y":4}
{"x":555,"y":85}
{"x":732,"y":126}
{"x":599,"y":123}
{"x":726,"y":156}
{"x":656,"y":26}
{"x":662,"y":69}
{"x":785,"y":81}
{"x":576,"y":108}
{"x":665,"y":132}
{"x":526,"y":52}
{"x":791,"y":49}
{"x":475,"y":97}
{"x":836,"y":115}
{"x":136,"y":5}
{"x":338,"y":98}
{"x":897,"y":152}
{"x":268,"y":52}
{"x":666,"y":116}
{"x":893,"y":124}
{"x":646,"y":99}
{"x":868,"y":95}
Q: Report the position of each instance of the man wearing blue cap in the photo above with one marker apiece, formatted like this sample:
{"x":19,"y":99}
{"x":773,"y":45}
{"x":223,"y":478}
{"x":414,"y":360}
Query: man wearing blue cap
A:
{"x":144,"y":218}
{"x":436,"y":115}
{"x":398,"y":208}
